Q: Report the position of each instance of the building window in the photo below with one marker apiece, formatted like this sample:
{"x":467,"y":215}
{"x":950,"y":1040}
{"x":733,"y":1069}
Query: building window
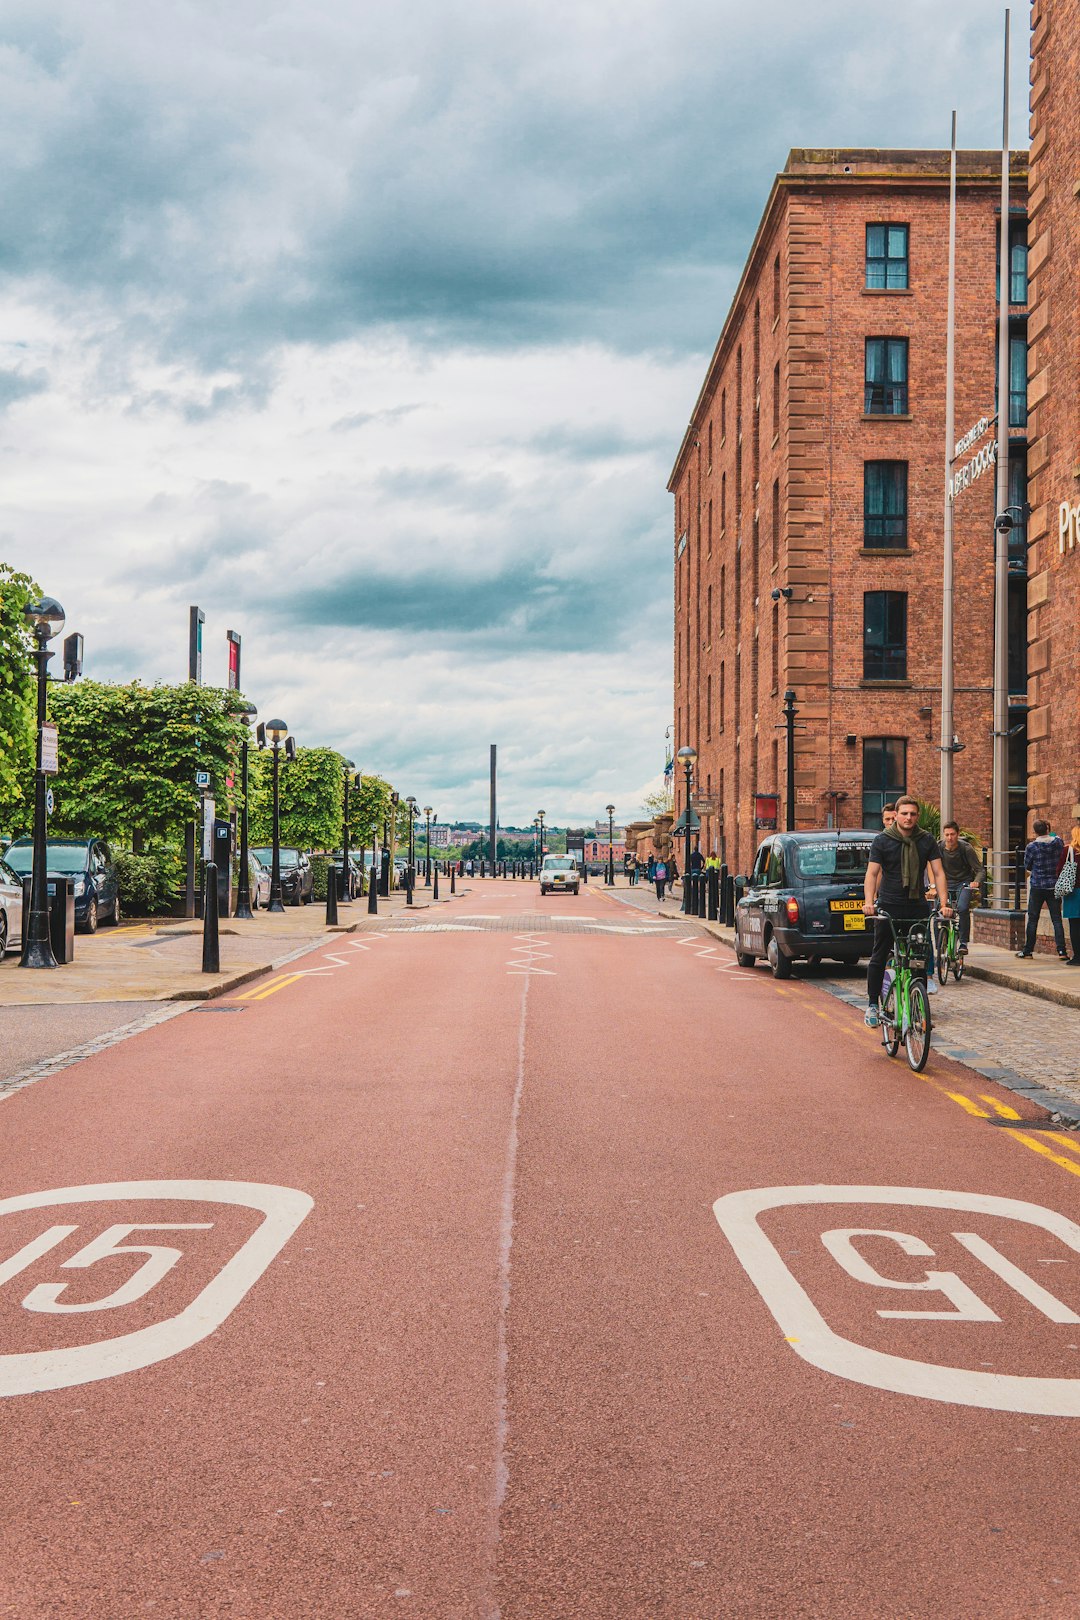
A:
{"x":723,"y":502}
{"x":884,"y":775}
{"x":708,"y":618}
{"x":887,"y":256}
{"x":1018,"y":485}
{"x":885,"y":636}
{"x":708,"y":706}
{"x":886,"y":377}
{"x":776,"y":523}
{"x":721,"y":710}
{"x":885,"y":504}
{"x":1018,"y":263}
{"x":1018,"y":349}
{"x":776,"y":289}
{"x":709,"y":530}
{"x":723,"y":595}
{"x":776,"y":400}
{"x":710,"y":444}
{"x":723,"y":414}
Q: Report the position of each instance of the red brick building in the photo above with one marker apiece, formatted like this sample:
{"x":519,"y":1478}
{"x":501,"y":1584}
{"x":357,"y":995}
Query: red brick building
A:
{"x":809,"y":497}
{"x":1054,"y":392}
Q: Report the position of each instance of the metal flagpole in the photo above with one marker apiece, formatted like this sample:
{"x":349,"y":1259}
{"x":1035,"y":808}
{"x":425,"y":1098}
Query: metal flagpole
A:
{"x":1000,"y":781}
{"x":947,"y":726}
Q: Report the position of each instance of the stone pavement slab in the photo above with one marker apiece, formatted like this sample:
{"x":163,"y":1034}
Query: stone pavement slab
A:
{"x":162,"y":960}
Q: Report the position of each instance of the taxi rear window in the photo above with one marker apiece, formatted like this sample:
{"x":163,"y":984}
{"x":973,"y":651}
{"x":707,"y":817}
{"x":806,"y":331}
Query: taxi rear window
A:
{"x":832,"y":860}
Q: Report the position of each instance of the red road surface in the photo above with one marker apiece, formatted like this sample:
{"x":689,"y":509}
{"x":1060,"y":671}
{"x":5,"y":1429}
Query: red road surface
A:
{"x":509,"y":1363}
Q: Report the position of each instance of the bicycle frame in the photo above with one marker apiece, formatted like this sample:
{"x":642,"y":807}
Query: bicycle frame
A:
{"x":904,"y":948}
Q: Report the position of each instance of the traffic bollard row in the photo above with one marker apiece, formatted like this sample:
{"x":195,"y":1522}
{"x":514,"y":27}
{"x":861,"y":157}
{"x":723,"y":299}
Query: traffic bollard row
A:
{"x":331,"y":894}
{"x":211,"y":949}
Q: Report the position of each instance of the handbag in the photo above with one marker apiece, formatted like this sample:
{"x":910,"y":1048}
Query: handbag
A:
{"x":1066,"y":879}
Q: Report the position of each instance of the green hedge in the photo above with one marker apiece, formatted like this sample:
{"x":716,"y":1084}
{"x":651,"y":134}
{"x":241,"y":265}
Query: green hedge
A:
{"x":149,"y":883}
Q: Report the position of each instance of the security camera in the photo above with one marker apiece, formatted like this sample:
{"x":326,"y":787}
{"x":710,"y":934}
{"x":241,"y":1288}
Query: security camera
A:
{"x":775,"y":595}
{"x":1004,"y":523}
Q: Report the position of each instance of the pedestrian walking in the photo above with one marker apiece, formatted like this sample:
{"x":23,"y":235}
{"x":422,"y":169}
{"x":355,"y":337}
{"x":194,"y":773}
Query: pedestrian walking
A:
{"x":650,"y":869}
{"x":1043,"y":860}
{"x":673,"y":874}
{"x":1070,"y":903}
{"x":660,"y":877}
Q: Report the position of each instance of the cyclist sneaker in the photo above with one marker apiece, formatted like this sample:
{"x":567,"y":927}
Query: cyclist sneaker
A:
{"x":870,"y":1018}
{"x":932,"y":986}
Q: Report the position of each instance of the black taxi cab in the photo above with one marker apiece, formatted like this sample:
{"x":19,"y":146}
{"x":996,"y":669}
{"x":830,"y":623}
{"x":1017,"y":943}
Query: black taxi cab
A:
{"x":803,"y":900}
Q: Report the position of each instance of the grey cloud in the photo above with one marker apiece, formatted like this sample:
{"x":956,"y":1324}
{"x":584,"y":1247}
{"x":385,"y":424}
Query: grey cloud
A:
{"x":359,"y":419}
{"x":16,"y":385}
{"x":444,"y":486}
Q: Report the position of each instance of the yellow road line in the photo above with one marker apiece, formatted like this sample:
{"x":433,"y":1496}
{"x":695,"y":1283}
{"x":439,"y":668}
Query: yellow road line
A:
{"x":967,"y":1105}
{"x":264,"y":990}
{"x":999,"y":1108}
{"x":1061,"y":1140}
{"x":1048,"y":1153}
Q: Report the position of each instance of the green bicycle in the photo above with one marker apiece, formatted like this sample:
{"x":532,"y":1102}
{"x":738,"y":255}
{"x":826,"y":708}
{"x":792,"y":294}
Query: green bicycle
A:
{"x":905,"y":1007}
{"x":946,"y":934}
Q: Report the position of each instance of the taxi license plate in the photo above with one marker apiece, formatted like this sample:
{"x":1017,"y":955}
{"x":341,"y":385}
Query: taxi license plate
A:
{"x":845,"y":905}
{"x":854,"y":920}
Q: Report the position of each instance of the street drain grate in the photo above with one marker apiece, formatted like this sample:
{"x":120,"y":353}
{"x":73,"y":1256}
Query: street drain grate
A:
{"x":216,"y":1006}
{"x":1035,"y":1125}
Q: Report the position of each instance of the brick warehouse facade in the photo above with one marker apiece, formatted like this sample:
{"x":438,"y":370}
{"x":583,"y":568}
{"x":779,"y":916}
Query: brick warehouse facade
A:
{"x":1054,"y":390}
{"x":808,"y":494}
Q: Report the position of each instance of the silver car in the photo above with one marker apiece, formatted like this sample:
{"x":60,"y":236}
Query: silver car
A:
{"x":258,"y":883}
{"x":11,"y":909}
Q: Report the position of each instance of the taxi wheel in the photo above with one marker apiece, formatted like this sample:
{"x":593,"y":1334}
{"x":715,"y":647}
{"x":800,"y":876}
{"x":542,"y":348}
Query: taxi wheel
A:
{"x":745,"y":958}
{"x":780,"y":964}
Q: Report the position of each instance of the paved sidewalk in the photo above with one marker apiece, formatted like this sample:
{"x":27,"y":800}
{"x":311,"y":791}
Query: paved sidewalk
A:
{"x":162,"y":960}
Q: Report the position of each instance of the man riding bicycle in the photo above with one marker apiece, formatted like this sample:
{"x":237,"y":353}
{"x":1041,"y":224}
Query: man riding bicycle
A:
{"x":963,"y":870}
{"x":894,"y":880}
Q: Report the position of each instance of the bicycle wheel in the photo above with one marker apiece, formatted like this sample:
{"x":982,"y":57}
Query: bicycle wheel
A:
{"x":917,"y":1038}
{"x":958,"y":967}
{"x":890,"y":1022}
{"x":942,"y":941}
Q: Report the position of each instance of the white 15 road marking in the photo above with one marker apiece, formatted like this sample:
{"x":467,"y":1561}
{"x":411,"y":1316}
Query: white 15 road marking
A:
{"x":811,"y":1337}
{"x":283,"y":1208}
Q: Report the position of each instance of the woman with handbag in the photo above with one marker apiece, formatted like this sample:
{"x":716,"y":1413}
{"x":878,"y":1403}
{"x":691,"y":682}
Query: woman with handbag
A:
{"x":1069,"y":883}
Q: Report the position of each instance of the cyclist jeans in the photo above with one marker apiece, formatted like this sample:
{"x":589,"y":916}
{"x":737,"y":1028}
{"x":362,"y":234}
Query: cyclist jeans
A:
{"x":1037,"y":898}
{"x":899,"y":911}
{"x":961,"y":899}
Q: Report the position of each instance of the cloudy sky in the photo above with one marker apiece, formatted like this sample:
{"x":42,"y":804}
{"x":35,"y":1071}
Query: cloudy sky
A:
{"x":374,"y":330}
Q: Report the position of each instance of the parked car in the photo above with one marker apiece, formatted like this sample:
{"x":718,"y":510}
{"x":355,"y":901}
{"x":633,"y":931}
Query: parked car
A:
{"x":559,"y":874}
{"x":11,"y":909}
{"x":87,"y":860}
{"x":297,"y":878}
{"x":803,"y":900}
{"x":258,"y":882}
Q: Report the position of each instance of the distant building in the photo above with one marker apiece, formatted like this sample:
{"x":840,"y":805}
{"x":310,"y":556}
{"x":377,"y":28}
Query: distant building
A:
{"x":808,"y":493}
{"x":440,"y":837}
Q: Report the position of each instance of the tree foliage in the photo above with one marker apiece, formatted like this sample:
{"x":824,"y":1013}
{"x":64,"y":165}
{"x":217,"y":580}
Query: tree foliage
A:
{"x":129,"y":754}
{"x":18,"y":698}
{"x":658,"y":803}
{"x":310,"y":792}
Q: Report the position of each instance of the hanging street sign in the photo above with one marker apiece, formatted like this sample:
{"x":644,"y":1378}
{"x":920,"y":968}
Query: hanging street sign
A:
{"x":49,"y":750}
{"x":980,"y":463}
{"x":972,"y":436}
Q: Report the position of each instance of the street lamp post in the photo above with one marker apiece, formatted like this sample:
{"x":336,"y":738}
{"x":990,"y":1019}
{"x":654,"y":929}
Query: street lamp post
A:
{"x":610,"y":878}
{"x":410,"y":800}
{"x":540,"y":814}
{"x":276,"y":732}
{"x":345,"y":887}
{"x":688,"y":756}
{"x":47,"y":620}
{"x":790,"y":711}
{"x":243,"y":882}
{"x":389,"y":824}
{"x":427,"y":847}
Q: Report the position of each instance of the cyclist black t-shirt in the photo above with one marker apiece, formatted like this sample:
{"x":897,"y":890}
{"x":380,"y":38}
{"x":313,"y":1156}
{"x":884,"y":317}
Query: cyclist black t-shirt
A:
{"x":887,"y":852}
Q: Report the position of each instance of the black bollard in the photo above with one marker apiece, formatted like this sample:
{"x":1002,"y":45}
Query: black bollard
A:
{"x":453,"y":880}
{"x":435,"y":888}
{"x":408,"y":886}
{"x":331,"y":894}
{"x":211,"y":950}
{"x":701,"y":896}
{"x":712,"y":909}
{"x":373,"y":893}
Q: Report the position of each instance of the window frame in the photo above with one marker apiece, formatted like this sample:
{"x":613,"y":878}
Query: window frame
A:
{"x":883,"y":539}
{"x":899,"y":388}
{"x":892,"y":655}
{"x":886,"y":259}
{"x":871,"y":819}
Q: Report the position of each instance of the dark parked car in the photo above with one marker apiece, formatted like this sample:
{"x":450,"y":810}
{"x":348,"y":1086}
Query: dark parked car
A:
{"x":89,"y":862}
{"x":297,"y":878}
{"x":804,"y":900}
{"x":11,"y":909}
